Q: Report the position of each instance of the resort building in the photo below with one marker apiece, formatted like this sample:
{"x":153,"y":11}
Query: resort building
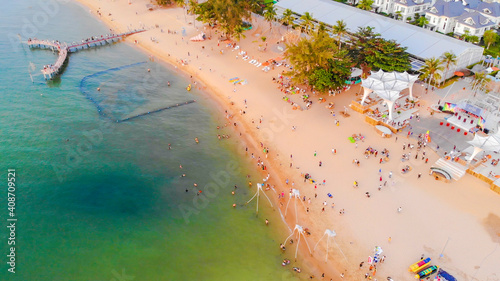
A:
{"x":408,"y":8}
{"x":462,"y":16}
{"x":443,"y":15}
{"x":421,"y":43}
{"x":383,"y":6}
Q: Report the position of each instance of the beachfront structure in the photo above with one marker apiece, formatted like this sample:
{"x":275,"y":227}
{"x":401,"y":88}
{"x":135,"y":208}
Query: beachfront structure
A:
{"x":461,"y":16}
{"x":487,"y":143}
{"x":388,"y":86}
{"x":408,"y":8}
{"x":443,"y":15}
{"x":421,"y":43}
{"x":51,"y":70}
{"x":475,"y":23}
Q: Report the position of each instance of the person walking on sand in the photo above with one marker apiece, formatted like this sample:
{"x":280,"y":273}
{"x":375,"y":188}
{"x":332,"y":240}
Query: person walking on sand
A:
{"x":400,"y":209}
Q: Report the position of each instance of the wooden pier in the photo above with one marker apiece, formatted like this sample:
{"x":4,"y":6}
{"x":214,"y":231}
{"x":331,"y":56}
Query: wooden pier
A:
{"x":51,"y":70}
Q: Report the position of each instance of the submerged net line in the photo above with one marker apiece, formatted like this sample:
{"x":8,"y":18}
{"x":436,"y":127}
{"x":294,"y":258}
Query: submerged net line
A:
{"x":101,"y":110}
{"x":155,"y":111}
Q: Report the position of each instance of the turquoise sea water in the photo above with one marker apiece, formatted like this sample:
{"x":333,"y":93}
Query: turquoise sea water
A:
{"x":100,"y":200}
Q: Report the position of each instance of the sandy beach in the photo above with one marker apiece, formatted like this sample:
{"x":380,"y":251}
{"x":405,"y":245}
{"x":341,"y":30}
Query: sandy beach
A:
{"x":457,"y":224}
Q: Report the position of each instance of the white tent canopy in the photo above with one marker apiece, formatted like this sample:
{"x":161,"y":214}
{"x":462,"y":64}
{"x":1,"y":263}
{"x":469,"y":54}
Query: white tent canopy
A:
{"x":355,"y":72}
{"x":388,"y":86}
{"x":489,"y":143}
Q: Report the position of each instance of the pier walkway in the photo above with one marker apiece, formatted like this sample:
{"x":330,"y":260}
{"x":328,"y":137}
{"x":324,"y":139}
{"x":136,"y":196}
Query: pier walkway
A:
{"x":51,"y":70}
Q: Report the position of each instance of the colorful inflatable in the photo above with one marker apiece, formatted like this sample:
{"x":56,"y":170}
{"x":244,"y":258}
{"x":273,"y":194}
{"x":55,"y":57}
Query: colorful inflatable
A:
{"x":188,"y":87}
{"x":427,"y":272}
{"x":421,"y":264}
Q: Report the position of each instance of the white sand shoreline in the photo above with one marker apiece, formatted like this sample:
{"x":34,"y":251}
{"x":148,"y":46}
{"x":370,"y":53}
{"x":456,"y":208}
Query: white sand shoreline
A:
{"x":432,"y":211}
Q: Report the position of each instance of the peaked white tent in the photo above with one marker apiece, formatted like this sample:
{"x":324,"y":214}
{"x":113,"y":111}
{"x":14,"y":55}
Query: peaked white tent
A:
{"x":489,"y":143}
{"x":388,"y":86}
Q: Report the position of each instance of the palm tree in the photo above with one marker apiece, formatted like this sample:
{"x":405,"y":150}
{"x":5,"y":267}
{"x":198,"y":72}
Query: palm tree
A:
{"x":431,"y":70}
{"x":448,"y":59}
{"x":307,"y":24}
{"x":398,"y":15}
{"x":309,"y":54}
{"x":340,"y":29}
{"x":270,"y":15}
{"x":192,"y":7}
{"x":490,"y":37}
{"x":287,"y":18}
{"x":422,"y":21}
{"x":365,"y":5}
{"x":238,"y":32}
{"x":181,"y":4}
{"x":480,"y":81}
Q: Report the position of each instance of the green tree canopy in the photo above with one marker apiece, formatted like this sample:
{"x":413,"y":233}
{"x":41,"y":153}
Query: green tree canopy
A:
{"x":431,"y":70}
{"x":317,"y":62}
{"x":422,"y":21}
{"x":490,"y":37}
{"x":448,"y":59}
{"x":270,"y":14}
{"x":287,"y":18}
{"x":368,"y":47}
{"x":365,"y":5}
{"x":480,"y":81}
{"x":229,"y":14}
{"x":307,"y":24}
{"x":340,"y":29}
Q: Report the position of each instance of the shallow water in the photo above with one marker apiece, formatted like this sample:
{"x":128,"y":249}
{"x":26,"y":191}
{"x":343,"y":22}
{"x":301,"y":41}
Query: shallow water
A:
{"x":100,"y":200}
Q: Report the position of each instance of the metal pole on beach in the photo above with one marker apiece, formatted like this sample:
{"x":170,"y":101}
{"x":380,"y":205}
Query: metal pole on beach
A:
{"x":446,"y":244}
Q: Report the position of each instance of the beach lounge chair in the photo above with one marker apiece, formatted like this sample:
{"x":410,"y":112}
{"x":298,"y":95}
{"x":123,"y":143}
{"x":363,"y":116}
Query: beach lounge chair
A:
{"x":246,"y":57}
{"x":252,"y":61}
{"x":259,"y":64}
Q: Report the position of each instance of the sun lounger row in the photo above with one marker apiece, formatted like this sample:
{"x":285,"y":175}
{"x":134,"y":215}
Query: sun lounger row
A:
{"x":255,"y":62}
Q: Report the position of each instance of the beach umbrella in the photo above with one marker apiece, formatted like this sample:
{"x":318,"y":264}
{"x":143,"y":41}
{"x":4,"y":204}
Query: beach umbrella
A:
{"x":300,"y":231}
{"x":356,"y":72}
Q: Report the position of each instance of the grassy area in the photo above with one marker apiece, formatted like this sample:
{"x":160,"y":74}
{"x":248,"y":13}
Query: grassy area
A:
{"x":493,"y":51}
{"x":449,"y":81}
{"x":472,"y":65}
